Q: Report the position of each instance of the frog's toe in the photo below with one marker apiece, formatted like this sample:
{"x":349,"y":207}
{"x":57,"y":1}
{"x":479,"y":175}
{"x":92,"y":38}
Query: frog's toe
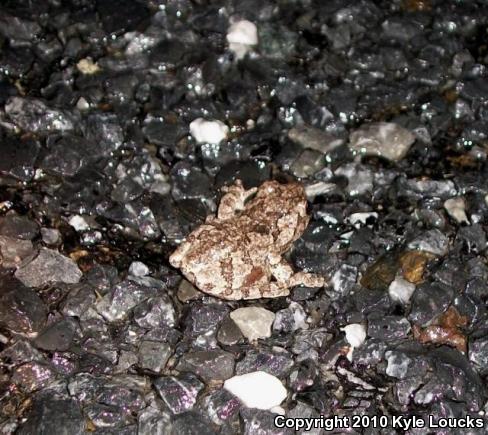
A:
{"x":306,"y":279}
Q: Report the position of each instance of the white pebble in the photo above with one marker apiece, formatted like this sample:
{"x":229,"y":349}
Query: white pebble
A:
{"x":138,"y":268}
{"x":359,"y":219}
{"x":79,"y":223}
{"x":208,"y":131}
{"x":401,"y":290}
{"x":82,"y":104}
{"x":456,"y":207}
{"x":355,"y":334}
{"x":242,"y":36}
{"x":254,"y":322}
{"x":257,"y":390}
{"x":87,"y":66}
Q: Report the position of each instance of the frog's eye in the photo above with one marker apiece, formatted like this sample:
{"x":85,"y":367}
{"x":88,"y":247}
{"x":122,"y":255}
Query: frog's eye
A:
{"x":250,"y":197}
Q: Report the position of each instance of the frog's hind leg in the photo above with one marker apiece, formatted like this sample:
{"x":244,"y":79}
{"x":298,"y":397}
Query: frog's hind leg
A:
{"x":285,"y":276}
{"x":265,"y":290}
{"x":233,"y":200}
{"x":306,"y":279}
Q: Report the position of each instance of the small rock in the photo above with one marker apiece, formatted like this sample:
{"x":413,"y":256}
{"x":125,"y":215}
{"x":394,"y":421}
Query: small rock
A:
{"x":276,"y":362}
{"x":398,"y":364}
{"x":242,"y":36}
{"x":303,"y":376}
{"x":360,"y":178}
{"x":154,"y":355}
{"x":432,"y":241}
{"x":137,"y":268}
{"x":478,"y":352}
{"x":57,"y":336}
{"x":257,"y":390}
{"x":188,"y":292}
{"x":430,"y":300}
{"x":432,"y":218}
{"x":126,"y":360}
{"x":446,"y":329}
{"x":18,"y":227}
{"x":82,"y":105}
{"x":386,"y":328}
{"x":179,"y":392}
{"x":344,"y":279}
{"x":423,"y":188}
{"x":362,"y":218}
{"x":355,"y":334}
{"x":308,"y":163}
{"x":13,"y":251}
{"x":208,"y":131}
{"x":319,"y":188}
{"x":472,"y":237}
{"x":79,"y":223}
{"x":371,"y":353}
{"x":291,"y":319}
{"x":313,"y":138}
{"x":222,"y":407}
{"x":413,"y":264}
{"x":87,"y":66}
{"x":204,"y":319}
{"x":21,"y":309}
{"x":35,"y":116}
{"x":229,"y":333}
{"x":456,"y":207}
{"x":401,"y":290}
{"x":50,"y":236}
{"x":254,"y":322}
{"x":383,"y":139}
{"x":380,"y":274}
{"x":155,"y":312}
{"x":209,"y":365}
{"x":49,"y":266}
{"x":124,"y":297}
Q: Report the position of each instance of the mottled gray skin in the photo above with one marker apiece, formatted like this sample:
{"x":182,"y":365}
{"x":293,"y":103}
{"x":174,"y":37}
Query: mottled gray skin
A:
{"x":238,"y":254}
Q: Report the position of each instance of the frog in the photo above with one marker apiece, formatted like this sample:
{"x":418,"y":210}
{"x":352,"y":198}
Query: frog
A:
{"x":239,"y":252}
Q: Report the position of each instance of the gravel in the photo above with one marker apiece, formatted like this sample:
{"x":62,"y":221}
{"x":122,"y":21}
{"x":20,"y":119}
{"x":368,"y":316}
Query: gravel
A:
{"x":121,"y":121}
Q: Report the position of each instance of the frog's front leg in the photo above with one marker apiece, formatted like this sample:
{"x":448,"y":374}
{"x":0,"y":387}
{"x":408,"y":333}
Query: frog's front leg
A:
{"x":285,"y":276}
{"x":264,"y":290}
{"x":233,"y":200}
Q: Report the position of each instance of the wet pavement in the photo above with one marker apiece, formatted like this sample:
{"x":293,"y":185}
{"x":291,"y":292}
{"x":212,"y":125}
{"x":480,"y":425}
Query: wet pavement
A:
{"x":121,"y":121}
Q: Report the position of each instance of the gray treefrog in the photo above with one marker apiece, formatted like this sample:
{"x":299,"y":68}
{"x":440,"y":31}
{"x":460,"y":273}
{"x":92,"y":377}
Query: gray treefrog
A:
{"x":238,"y":254}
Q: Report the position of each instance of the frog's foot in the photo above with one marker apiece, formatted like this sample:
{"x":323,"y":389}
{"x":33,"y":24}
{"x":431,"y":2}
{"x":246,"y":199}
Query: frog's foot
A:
{"x":234,"y":200}
{"x":285,"y":276}
{"x":306,"y":279}
{"x":265,"y":290}
{"x":175,"y":259}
